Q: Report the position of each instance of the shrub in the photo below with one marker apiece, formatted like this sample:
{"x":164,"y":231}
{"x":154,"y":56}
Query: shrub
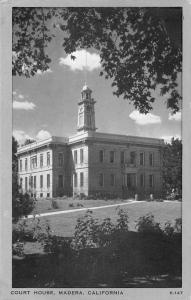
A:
{"x":18,"y":249}
{"x":54,"y":204}
{"x":85,"y":232}
{"x":71,"y":205}
{"x":178,"y":225}
{"x":147,"y":224}
{"x":79,"y":205}
{"x":123,"y":220}
{"x":22,"y":205}
{"x":168,"y":229}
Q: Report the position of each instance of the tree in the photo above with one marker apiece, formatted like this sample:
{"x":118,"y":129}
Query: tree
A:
{"x":22,"y":204}
{"x":28,"y":141}
{"x":172,"y":171}
{"x":137,"y":48}
{"x":14,"y":168}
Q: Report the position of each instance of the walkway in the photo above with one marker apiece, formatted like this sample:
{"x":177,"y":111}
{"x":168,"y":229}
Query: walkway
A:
{"x":79,"y":209}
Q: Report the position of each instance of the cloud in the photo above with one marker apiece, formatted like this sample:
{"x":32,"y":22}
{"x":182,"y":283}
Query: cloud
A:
{"x":93,"y":61}
{"x":142,"y":119}
{"x":20,"y":96}
{"x":25,"y":105}
{"x":176,"y":117}
{"x":43,"y":134}
{"x":167,"y":138}
{"x":21,"y":136}
{"x":39,"y":72}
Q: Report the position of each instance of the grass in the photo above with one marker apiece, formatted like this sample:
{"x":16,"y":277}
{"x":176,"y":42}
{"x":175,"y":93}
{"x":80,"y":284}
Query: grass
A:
{"x":64,"y":224}
{"x":45,"y":205}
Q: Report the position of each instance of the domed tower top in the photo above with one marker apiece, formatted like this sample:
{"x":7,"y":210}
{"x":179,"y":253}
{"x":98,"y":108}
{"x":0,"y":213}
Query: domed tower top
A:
{"x":86,"y":93}
{"x":86,"y":112}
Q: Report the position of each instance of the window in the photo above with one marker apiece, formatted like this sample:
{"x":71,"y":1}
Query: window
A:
{"x":41,"y":160}
{"x":34,"y":182}
{"x":75,"y":156}
{"x":141,"y":158}
{"x":101,"y":155}
{"x":81,"y":155}
{"x":60,"y":181}
{"x":131,"y":180}
{"x":48,"y":195}
{"x":81,"y":179}
{"x":132,"y":157}
{"x":31,"y":182}
{"x":75,"y":180}
{"x":41,"y":195}
{"x":33,"y":162}
{"x":21,"y":182}
{"x":112,"y":179}
{"x":25,"y":164}
{"x":48,"y":180}
{"x":48,"y":158}
{"x":60,"y":159}
{"x":21,"y":165}
{"x":111,"y":156}
{"x":151,"y":180}
{"x":142,"y":180}
{"x":101,"y":179}
{"x":41,"y":181}
{"x":151,"y":159}
{"x":26,"y":183}
{"x":122,"y":157}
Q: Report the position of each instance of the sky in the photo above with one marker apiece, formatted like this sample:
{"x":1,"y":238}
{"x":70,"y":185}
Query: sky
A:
{"x":47,"y":103}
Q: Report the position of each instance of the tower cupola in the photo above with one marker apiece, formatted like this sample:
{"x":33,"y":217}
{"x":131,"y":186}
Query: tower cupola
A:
{"x":86,"y":112}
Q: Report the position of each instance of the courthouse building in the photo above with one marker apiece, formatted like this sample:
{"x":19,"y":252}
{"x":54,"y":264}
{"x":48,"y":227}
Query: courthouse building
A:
{"x":91,"y":162}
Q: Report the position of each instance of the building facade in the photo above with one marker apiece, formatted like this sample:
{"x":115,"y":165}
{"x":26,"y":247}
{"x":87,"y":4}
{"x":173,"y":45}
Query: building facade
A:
{"x":90,"y":162}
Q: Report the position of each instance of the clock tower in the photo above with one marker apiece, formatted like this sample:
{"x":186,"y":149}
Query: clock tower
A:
{"x":86,"y":112}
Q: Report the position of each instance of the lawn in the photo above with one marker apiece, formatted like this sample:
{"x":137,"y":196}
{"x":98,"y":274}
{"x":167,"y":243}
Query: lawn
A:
{"x":47,"y":205}
{"x":64,"y":224}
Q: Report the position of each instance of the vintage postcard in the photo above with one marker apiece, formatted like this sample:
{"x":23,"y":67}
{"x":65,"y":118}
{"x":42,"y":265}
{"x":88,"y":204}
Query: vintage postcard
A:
{"x":95,"y":156}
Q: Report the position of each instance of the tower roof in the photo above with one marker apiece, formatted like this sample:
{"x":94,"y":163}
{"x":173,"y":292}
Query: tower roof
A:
{"x":85,"y":88}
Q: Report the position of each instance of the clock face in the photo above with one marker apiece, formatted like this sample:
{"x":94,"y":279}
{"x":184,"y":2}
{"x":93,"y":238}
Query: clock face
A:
{"x":81,"y":109}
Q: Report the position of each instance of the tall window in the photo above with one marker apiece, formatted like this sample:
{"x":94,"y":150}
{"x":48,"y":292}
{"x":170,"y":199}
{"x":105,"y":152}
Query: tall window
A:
{"x":21,"y":183}
{"x":75,"y":156}
{"x":111,"y":156}
{"x":101,"y":155}
{"x":75,"y":180}
{"x":34,"y":182}
{"x":151,"y":159}
{"x":48,"y":180}
{"x":33,"y":162}
{"x":25,"y":164}
{"x":41,"y":181}
{"x":48,"y":158}
{"x":142,"y":180}
{"x":101,"y":179}
{"x":60,"y":159}
{"x":151,"y":180}
{"x":122,"y":157}
{"x":131,"y":180}
{"x":41,"y":160}
{"x":141,"y":158}
{"x":21,"y":165}
{"x":26,"y":183}
{"x":81,"y":179}
{"x":81,"y":155}
{"x":112,"y":179}
{"x":31,"y":182}
{"x":60,"y":181}
{"x":132,"y":157}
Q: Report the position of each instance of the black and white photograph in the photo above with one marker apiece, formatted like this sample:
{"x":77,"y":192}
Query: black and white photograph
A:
{"x":97,"y":155}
